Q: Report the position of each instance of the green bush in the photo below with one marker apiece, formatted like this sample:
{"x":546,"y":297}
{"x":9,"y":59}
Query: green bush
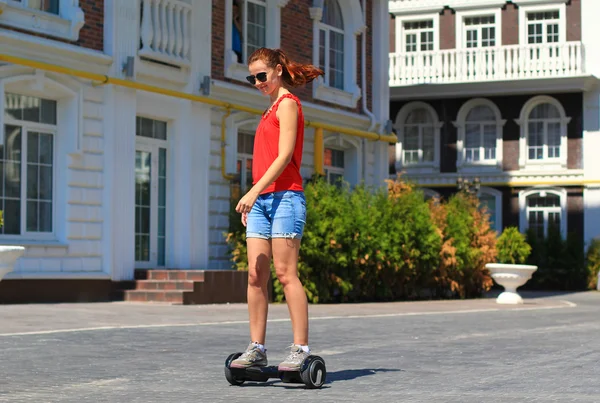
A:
{"x":560,"y":262}
{"x":468,"y":244}
{"x":512,"y":247}
{"x":364,"y":244}
{"x":592,"y":260}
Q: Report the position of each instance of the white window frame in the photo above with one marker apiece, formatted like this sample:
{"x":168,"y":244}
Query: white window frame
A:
{"x":352,"y":155}
{"x":461,"y":27}
{"x":424,"y":167}
{"x":330,"y":169}
{"x":523,"y":120}
{"x":401,"y":34}
{"x":244,"y":157}
{"x":497,"y":194}
{"x":326,"y":63}
{"x":239,"y":71}
{"x":354,"y":25}
{"x":65,"y":25}
{"x":523,"y":209}
{"x":559,"y":5}
{"x":152,"y":145}
{"x":461,"y":164}
{"x":67,"y":139}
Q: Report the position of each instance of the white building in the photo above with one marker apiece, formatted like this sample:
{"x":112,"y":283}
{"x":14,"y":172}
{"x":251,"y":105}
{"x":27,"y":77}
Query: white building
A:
{"x":99,"y":179}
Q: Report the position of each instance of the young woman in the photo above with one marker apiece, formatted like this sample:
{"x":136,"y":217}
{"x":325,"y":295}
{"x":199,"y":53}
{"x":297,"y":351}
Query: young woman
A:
{"x":274,"y":210}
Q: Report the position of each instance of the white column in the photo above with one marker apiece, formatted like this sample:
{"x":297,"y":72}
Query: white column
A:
{"x":199,"y":183}
{"x":591,"y":165}
{"x":179,"y":245}
{"x":119,"y":186}
{"x":381,"y":91}
{"x":591,"y":122}
{"x":121,"y":40}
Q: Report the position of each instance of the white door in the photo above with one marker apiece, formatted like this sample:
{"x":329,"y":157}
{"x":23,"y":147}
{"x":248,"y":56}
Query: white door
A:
{"x":150,"y":204}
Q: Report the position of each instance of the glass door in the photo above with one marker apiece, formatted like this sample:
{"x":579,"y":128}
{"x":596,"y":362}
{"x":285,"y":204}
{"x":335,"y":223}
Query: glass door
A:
{"x":150,"y":205}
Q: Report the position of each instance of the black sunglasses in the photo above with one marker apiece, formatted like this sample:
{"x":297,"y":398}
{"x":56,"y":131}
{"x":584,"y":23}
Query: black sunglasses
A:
{"x":262,"y":77}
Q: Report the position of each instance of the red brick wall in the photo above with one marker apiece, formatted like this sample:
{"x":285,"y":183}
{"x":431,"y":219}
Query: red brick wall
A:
{"x":447,"y":30}
{"x":575,"y":153}
{"x":91,"y":35}
{"x":295,"y":18}
{"x":510,"y":25}
{"x":392,"y":35}
{"x":574,"y":20}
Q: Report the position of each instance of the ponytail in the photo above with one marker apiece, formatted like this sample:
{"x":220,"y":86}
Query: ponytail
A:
{"x":293,"y":74}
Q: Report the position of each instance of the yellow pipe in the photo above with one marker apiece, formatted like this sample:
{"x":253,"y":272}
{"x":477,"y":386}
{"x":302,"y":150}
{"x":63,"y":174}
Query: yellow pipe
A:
{"x":223,"y":144}
{"x":318,"y":157}
{"x":104,"y":79}
{"x":518,"y":184}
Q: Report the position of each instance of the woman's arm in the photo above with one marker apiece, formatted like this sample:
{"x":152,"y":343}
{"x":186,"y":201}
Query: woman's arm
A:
{"x":287,"y":113}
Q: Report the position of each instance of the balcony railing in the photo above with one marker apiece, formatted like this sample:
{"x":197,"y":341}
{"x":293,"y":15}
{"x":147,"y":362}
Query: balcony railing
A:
{"x":510,"y":62}
{"x":165,"y":31}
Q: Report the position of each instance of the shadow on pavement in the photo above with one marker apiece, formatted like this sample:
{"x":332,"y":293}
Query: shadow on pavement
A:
{"x":349,"y":374}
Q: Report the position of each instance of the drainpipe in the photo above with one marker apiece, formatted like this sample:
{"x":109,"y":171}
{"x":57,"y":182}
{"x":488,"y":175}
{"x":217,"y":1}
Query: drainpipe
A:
{"x":363,"y":81}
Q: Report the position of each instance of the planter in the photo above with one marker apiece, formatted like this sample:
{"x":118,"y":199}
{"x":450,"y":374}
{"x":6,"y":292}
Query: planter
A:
{"x":511,"y":277}
{"x":8,"y":257}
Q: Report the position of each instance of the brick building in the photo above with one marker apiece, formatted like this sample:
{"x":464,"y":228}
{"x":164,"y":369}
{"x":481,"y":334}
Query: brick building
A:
{"x":100,"y":179}
{"x":504,"y":93}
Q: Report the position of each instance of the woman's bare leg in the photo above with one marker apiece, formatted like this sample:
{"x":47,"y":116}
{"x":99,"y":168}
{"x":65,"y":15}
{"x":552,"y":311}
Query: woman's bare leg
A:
{"x":259,"y":259}
{"x":285,"y":259}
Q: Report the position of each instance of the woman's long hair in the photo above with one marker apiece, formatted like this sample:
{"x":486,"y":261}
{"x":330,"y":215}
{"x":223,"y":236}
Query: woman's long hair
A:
{"x":293,"y":74}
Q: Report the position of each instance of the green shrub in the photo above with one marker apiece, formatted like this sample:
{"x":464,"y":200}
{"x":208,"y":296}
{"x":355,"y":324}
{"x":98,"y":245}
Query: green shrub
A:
{"x":364,"y":244}
{"x":592,"y":260}
{"x":468,"y":244}
{"x":560,"y":262}
{"x":512,"y":247}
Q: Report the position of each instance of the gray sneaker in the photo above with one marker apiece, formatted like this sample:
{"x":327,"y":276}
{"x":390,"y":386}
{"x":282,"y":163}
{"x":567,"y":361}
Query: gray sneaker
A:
{"x":252,"y":357}
{"x":294,"y":359}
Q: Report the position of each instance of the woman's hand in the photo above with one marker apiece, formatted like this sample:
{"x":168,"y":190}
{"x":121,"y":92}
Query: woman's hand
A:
{"x":245,"y":204}
{"x":245,"y":219}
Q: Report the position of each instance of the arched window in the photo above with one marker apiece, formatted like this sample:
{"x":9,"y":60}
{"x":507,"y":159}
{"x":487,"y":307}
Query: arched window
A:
{"x":418,"y":136}
{"x":491,"y":199}
{"x":543,"y":133}
{"x":543,"y":208}
{"x":336,"y":27}
{"x":479,"y":141}
{"x":331,"y":44}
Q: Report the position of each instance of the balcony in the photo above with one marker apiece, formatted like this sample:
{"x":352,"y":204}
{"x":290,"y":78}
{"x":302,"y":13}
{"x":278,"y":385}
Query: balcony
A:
{"x":165,"y":32}
{"x":480,"y":69}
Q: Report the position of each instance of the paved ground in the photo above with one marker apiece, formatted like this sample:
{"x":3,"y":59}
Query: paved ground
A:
{"x":547,"y":350}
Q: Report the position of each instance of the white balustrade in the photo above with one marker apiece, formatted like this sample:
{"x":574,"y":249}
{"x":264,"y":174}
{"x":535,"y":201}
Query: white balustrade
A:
{"x":166,"y":31}
{"x":511,"y":62}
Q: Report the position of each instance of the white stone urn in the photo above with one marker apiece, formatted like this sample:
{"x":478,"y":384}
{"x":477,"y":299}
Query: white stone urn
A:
{"x":511,"y":277}
{"x":8,"y":258}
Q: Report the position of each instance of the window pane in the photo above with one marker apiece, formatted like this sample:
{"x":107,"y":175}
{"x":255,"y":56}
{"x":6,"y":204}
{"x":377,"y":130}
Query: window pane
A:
{"x":322,"y":49}
{"x":545,"y":111}
{"x":336,"y":60}
{"x":428,"y":147}
{"x":10,"y":187}
{"x":256,"y":27}
{"x":535,"y":140}
{"x":481,"y":113}
{"x":48,"y":112}
{"x":332,"y":14}
{"x":489,"y":202}
{"x":418,"y":116}
{"x":554,"y":140}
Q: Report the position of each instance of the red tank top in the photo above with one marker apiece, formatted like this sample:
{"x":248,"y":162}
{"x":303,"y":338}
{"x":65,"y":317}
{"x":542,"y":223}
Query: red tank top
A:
{"x":266,"y":149}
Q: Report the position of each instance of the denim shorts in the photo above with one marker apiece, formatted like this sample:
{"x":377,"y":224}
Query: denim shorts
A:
{"x":277,"y":215}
